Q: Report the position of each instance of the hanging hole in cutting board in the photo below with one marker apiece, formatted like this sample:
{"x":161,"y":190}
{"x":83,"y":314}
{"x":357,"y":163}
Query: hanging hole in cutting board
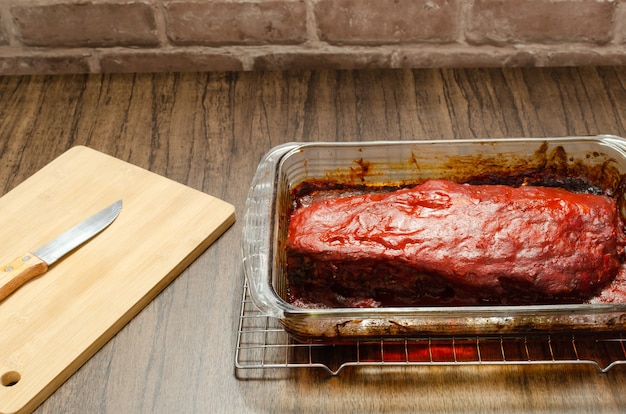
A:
{"x":10,"y":378}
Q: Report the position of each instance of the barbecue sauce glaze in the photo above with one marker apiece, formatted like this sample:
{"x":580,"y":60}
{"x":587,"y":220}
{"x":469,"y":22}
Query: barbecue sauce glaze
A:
{"x":443,"y":243}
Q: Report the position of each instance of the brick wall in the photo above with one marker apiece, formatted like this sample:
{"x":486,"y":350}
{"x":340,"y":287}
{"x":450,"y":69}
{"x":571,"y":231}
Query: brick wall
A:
{"x":79,"y":36}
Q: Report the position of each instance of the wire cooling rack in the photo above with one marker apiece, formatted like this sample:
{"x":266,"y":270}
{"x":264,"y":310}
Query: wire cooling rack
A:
{"x":263,"y":344}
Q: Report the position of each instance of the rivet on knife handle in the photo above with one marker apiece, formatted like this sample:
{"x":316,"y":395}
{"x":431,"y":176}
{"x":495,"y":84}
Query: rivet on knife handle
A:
{"x":20,"y":271}
{"x":31,"y":265}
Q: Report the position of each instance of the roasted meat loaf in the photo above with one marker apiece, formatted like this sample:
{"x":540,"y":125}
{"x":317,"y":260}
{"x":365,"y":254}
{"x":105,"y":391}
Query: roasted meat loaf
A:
{"x":443,"y":243}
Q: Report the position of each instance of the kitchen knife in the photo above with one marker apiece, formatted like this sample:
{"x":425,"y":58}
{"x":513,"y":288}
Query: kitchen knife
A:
{"x":33,"y":264}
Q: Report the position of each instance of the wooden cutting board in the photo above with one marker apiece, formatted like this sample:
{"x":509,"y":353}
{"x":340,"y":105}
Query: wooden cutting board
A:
{"x":55,"y":323}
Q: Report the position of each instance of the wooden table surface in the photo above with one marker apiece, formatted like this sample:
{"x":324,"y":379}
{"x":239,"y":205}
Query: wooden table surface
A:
{"x":209,"y":132}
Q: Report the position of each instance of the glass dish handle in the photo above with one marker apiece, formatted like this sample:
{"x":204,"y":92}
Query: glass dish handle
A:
{"x":257,"y":232}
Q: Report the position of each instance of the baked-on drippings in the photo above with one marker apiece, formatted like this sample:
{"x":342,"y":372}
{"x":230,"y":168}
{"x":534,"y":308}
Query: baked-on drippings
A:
{"x":443,"y":243}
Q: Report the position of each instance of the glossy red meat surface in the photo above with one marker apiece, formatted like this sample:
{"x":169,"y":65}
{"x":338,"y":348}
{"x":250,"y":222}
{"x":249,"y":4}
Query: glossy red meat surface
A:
{"x":442,"y":243}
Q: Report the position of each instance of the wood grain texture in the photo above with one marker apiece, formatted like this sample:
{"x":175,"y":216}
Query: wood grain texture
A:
{"x":209,"y":131}
{"x":20,"y":271}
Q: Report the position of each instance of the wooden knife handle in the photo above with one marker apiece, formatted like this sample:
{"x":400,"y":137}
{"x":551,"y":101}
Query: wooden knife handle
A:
{"x":20,"y":271}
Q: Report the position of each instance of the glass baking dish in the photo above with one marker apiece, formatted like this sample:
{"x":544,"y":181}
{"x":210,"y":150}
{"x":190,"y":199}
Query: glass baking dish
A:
{"x":601,"y":159}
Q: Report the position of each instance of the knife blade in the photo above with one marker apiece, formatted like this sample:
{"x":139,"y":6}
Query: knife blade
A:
{"x":35,"y":263}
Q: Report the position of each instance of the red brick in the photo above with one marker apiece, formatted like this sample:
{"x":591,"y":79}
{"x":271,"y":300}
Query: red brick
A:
{"x":313,"y":60}
{"x":87,"y":24}
{"x":44,"y":64}
{"x":540,"y":21}
{"x":4,"y":39}
{"x":216,"y":23}
{"x":159,"y":61}
{"x":375,"y":22}
{"x":620,"y":23}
